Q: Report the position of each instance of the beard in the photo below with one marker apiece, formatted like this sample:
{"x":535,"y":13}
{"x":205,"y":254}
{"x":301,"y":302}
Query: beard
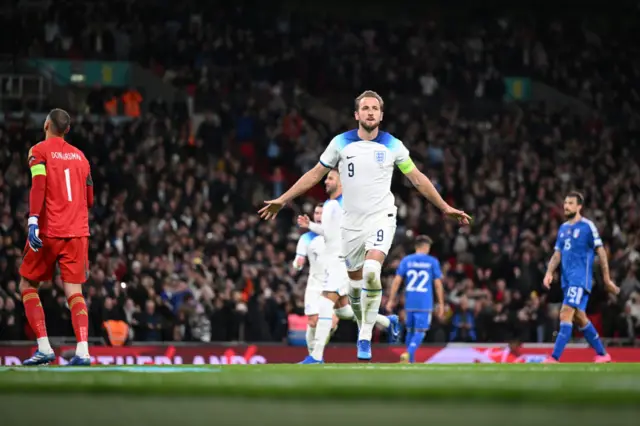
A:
{"x":570,"y":215}
{"x":369,"y":127}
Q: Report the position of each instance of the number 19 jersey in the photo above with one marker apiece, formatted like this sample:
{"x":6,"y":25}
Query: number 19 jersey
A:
{"x":65,"y":213}
{"x":418,"y":272}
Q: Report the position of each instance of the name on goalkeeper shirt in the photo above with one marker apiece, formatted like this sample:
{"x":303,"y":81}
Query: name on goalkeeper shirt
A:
{"x":66,"y":156}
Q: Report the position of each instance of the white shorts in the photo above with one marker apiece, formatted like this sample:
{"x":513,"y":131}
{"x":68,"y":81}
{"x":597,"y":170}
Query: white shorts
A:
{"x":312,"y":296}
{"x":337,"y":280}
{"x":378,"y":235}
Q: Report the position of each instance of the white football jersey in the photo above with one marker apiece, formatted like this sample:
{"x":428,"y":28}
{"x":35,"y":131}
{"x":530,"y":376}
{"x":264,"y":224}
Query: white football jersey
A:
{"x":366,"y":170}
{"x":331,"y":222}
{"x":311,"y":246}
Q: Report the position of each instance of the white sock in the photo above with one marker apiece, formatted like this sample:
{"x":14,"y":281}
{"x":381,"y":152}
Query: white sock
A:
{"x":371,"y":298}
{"x":82,"y":349}
{"x":382,"y":322}
{"x":311,"y":337}
{"x":44,"y":346}
{"x":345,"y":313}
{"x":355,"y":290}
{"x":323,"y":327}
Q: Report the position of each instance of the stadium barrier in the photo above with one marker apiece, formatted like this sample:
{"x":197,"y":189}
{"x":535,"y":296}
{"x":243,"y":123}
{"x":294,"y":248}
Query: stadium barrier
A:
{"x":277,"y":354}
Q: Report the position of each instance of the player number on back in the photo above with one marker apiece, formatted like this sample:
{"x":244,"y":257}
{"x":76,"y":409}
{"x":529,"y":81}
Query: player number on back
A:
{"x":351,"y":169}
{"x":67,"y":178}
{"x":420,"y":278}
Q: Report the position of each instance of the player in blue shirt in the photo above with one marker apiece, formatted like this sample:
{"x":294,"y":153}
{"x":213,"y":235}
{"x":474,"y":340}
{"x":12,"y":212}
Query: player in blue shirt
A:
{"x":420,"y":272}
{"x":576,"y":244}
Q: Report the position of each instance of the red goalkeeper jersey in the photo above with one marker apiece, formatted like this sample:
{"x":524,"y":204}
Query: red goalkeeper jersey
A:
{"x":65,"y":213}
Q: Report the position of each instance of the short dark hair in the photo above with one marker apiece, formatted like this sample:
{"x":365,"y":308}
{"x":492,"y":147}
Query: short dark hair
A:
{"x":423,"y":240}
{"x":60,"y":120}
{"x":577,"y":195}
{"x":321,"y":205}
{"x":369,"y":94}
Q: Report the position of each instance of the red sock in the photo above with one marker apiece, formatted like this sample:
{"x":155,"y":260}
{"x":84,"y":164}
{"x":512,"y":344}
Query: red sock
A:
{"x":34,"y":312}
{"x":79,"y":316}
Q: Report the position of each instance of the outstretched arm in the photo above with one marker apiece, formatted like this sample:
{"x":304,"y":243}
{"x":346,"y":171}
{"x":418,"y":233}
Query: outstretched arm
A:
{"x":426,"y":188}
{"x":302,"y":185}
{"x":305,"y":183}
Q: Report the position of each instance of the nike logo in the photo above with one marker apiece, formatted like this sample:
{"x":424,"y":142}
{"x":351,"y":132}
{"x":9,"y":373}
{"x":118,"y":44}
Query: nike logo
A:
{"x":349,"y":158}
{"x":377,"y":245}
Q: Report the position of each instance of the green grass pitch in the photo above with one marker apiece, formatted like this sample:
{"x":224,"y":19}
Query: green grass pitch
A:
{"x":581,"y":394}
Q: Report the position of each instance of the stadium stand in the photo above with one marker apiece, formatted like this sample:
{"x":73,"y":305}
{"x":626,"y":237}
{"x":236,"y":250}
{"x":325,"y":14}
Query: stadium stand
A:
{"x":177,"y":250}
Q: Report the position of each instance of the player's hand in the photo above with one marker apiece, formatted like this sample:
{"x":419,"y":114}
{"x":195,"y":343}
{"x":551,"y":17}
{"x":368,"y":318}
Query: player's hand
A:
{"x":270,"y":211}
{"x":303,"y":221}
{"x":548,"y":279}
{"x":611,"y":287}
{"x":459,"y":215}
{"x":34,"y":241}
{"x":440,"y":311}
{"x":390,"y":305}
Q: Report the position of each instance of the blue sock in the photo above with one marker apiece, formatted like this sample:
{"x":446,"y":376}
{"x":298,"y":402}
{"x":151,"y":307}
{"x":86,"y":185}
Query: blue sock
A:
{"x":408,"y":337}
{"x":414,"y":344}
{"x":591,"y":334}
{"x":564,"y":335}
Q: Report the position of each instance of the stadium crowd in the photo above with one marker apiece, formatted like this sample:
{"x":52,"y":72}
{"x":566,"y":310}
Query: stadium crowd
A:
{"x":177,"y":250}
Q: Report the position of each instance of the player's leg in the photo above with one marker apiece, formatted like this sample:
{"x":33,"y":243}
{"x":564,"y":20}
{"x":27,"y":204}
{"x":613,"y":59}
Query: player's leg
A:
{"x":421,"y":323}
{"x":311,"y":301}
{"x":74,"y":268}
{"x":353,"y":243}
{"x":377,"y":246}
{"x":591,"y":335}
{"x":323,"y":327}
{"x":344,"y":311}
{"x":36,"y":267}
{"x":567,"y":312}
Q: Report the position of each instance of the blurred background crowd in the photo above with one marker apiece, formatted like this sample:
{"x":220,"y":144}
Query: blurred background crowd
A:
{"x":177,"y":250}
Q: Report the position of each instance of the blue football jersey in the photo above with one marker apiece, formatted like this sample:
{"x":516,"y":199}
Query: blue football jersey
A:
{"x":418,"y":272}
{"x":577,"y":243}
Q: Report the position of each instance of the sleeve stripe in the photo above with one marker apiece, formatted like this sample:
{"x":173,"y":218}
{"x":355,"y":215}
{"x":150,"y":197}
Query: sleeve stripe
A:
{"x":38,"y":170}
{"x":301,"y":255}
{"x":406,"y":166}
{"x":326,"y":165}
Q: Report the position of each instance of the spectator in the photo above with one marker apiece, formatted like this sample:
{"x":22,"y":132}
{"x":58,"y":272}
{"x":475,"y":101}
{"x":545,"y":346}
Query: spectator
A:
{"x":463,"y":328}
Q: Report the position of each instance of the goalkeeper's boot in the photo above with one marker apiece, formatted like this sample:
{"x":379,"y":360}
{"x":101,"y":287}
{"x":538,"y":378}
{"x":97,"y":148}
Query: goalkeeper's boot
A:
{"x":80,"y":361}
{"x":394,"y":328}
{"x":364,"y":350}
{"x":40,"y":358}
{"x":310,"y":360}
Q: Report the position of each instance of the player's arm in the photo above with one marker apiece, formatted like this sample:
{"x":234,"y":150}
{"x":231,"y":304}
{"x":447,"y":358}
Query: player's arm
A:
{"x":317,"y":228}
{"x":554,"y":262}
{"x":603,"y":258}
{"x":89,"y":191}
{"x":395,"y":285}
{"x":328,"y":160}
{"x":424,"y":185}
{"x":305,"y":183}
{"x":37,"y":166}
{"x":439,"y":295}
{"x":302,"y":249}
{"x":437,"y":282}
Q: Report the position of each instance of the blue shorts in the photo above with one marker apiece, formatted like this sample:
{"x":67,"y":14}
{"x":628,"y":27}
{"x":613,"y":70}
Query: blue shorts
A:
{"x":576,"y":297}
{"x":418,"y":320}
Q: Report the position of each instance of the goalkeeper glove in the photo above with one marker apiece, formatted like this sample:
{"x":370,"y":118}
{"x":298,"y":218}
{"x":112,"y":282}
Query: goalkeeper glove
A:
{"x":34,"y":241}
